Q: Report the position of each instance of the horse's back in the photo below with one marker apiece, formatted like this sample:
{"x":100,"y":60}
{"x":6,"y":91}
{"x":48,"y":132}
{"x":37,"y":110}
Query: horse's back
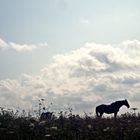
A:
{"x":100,"y":107}
{"x":107,"y":108}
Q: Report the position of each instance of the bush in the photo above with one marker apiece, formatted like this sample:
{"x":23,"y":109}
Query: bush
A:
{"x":69,"y":127}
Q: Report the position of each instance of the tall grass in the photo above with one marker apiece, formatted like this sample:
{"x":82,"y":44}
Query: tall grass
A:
{"x":69,"y":127}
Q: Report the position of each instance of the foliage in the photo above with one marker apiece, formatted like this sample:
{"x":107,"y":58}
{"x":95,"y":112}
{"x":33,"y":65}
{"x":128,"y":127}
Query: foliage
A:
{"x":68,"y":126}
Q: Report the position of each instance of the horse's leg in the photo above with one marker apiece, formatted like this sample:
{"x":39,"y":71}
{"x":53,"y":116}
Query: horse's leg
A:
{"x":97,"y":113}
{"x":101,"y":113}
{"x":115,"y":114}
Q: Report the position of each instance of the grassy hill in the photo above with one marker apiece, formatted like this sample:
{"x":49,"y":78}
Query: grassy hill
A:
{"x":70,"y":127}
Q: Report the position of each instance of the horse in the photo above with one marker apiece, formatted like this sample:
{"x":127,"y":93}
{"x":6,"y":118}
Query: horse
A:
{"x":46,"y":116}
{"x":112,"y":108}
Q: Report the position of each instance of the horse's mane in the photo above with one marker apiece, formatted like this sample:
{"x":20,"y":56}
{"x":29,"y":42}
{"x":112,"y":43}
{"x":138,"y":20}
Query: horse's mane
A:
{"x":113,"y":103}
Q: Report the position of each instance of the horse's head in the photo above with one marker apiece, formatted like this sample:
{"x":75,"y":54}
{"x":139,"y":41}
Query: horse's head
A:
{"x":126,"y":103}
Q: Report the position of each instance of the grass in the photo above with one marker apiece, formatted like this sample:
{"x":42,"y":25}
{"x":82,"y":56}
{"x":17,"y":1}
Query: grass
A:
{"x":69,"y":127}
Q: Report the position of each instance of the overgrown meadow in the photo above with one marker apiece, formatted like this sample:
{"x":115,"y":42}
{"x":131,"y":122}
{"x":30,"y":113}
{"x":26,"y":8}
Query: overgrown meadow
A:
{"x":68,"y":126}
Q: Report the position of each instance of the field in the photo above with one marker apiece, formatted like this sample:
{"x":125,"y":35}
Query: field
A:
{"x":69,"y":127}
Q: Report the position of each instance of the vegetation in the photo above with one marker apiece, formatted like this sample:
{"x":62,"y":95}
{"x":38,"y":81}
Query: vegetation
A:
{"x":68,"y":126}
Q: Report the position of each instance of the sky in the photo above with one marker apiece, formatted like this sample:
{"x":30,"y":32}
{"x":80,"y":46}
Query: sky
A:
{"x":74,"y":53}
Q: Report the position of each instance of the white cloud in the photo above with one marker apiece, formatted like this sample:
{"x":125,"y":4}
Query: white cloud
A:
{"x":20,"y":47}
{"x":3,"y":44}
{"x":83,"y":78}
{"x":85,"y":21}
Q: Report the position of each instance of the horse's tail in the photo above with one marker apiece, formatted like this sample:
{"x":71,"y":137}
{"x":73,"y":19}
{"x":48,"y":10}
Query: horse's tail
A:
{"x":97,"y":113}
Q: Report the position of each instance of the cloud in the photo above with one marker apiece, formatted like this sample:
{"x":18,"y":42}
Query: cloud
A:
{"x":3,"y":44}
{"x":85,"y":21}
{"x":19,"y":47}
{"x":81,"y":79}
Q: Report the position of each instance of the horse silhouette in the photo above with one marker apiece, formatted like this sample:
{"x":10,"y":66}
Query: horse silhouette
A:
{"x":46,"y":116}
{"x":112,"y":108}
